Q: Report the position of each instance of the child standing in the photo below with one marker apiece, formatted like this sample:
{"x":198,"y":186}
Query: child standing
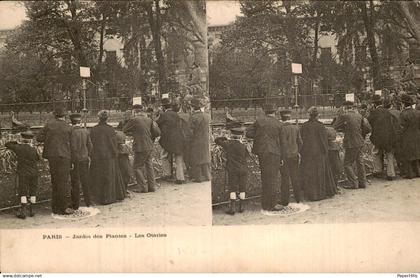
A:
{"x":236,"y":165}
{"x":27,"y":171}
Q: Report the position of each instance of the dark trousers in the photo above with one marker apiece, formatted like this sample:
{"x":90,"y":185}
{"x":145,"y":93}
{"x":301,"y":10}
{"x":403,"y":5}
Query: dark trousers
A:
{"x":201,"y":172}
{"x":354,"y":156}
{"x":28,"y":185}
{"x":143,"y":168}
{"x":269,"y":165}
{"x":60,"y":175}
{"x":411,"y":168}
{"x":289,"y":176}
{"x":80,"y":176}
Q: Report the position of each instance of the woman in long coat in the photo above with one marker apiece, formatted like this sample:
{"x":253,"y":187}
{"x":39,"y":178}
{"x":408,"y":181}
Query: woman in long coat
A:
{"x":410,"y":138}
{"x":317,"y":178}
{"x":106,"y":178}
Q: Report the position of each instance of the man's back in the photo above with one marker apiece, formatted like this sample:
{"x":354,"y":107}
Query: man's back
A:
{"x":290,"y":138}
{"x":27,"y":158}
{"x":140,"y":127}
{"x":81,"y":145}
{"x":56,"y":138}
{"x":351,"y":122}
{"x":383,"y":131}
{"x":266,"y":133}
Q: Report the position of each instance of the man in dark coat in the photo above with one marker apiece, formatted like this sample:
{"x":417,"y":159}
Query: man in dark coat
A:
{"x":105,"y":174}
{"x":410,"y":138}
{"x":56,"y":136}
{"x":266,"y":132}
{"x":353,"y":125}
{"x":200,"y":143}
{"x":172,"y":141}
{"x":292,"y":142}
{"x":81,"y":148}
{"x":144,"y":131}
{"x":383,"y":137}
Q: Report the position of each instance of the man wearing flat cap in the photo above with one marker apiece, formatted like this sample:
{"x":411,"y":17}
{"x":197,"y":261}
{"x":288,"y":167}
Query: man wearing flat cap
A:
{"x":267,"y":132}
{"x":56,"y":136}
{"x":383,"y":137}
{"x":354,"y":126}
{"x":81,"y":148}
{"x":410,"y":138}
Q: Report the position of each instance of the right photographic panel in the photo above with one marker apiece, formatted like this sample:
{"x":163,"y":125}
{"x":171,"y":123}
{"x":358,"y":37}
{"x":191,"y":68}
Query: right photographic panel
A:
{"x":315,"y":110}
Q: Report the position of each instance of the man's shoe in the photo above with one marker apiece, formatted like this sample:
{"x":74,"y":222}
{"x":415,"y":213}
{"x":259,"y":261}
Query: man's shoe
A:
{"x":240,"y":207}
{"x":180,"y":181}
{"x":378,"y":175}
{"x":277,"y":207}
{"x":350,"y":187}
{"x":390,"y":178}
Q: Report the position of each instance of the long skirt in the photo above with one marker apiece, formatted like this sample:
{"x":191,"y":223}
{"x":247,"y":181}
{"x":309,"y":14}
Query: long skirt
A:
{"x":317,"y":178}
{"x":107,"y":182}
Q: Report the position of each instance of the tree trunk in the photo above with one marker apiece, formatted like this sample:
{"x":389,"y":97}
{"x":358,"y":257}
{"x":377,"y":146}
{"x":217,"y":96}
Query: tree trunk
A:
{"x":368,"y":21}
{"x":101,"y":48}
{"x":315,"y":53}
{"x":73,"y":27}
{"x":155,"y":27}
{"x":411,"y":13}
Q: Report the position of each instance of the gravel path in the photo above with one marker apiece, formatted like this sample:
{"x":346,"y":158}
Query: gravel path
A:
{"x":187,"y":204}
{"x":381,"y":201}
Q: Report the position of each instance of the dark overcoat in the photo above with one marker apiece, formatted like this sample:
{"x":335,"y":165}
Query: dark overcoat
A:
{"x":56,"y":136}
{"x":200,"y":138}
{"x":384,"y":131}
{"x":172,"y":138}
{"x":266,"y":132}
{"x":410,"y":134}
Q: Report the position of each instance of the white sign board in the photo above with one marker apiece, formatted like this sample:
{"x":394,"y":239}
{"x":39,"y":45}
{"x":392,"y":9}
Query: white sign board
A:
{"x":165,"y":96}
{"x":350,"y":97}
{"x":378,"y":92}
{"x":84,"y":72}
{"x":296,"y":68}
{"x":136,"y":100}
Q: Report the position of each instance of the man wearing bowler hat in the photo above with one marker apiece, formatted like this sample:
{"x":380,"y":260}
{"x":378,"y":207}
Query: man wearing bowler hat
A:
{"x":267,"y":132}
{"x":81,"y":147}
{"x":354,"y":127}
{"x":56,"y":136}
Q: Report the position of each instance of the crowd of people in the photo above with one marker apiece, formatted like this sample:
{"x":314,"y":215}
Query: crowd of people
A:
{"x":98,"y":160}
{"x":307,"y":157}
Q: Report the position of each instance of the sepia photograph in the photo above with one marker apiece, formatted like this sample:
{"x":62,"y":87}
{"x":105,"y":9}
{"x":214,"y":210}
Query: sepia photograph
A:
{"x":315,"y":111}
{"x":104,"y":114}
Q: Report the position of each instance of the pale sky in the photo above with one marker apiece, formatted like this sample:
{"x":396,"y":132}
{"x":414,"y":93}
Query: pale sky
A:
{"x":222,"y":12}
{"x":12,"y":14}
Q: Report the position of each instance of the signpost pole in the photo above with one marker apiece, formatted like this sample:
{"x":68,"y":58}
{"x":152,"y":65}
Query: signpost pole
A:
{"x":84,"y":73}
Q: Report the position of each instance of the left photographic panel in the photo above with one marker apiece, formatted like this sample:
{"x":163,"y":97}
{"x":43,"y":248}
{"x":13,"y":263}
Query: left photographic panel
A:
{"x":104,"y":114}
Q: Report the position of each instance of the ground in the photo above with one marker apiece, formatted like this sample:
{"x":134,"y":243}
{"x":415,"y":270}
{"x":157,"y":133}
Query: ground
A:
{"x":186,"y":204}
{"x":381,"y":201}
